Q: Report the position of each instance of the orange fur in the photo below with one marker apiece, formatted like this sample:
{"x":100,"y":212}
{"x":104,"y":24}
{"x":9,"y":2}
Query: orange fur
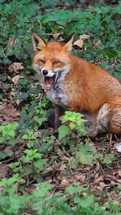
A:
{"x":82,"y":87}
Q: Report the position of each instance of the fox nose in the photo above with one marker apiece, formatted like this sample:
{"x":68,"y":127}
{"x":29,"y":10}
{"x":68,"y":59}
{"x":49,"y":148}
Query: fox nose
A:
{"x":44,"y":72}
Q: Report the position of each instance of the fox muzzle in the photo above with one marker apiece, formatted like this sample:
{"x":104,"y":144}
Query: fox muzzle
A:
{"x":44,"y":72}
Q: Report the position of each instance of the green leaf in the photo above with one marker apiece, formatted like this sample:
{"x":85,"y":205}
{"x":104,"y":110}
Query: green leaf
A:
{"x":110,"y":53}
{"x":119,"y":187}
{"x":42,"y":190}
{"x":3,"y":155}
{"x":108,"y":159}
{"x":84,"y":202}
{"x":86,"y":159}
{"x":63,"y":131}
{"x":119,"y":8}
{"x":118,"y":67}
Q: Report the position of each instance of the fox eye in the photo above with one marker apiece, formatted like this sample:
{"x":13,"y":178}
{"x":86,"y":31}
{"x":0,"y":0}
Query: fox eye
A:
{"x":42,"y":61}
{"x":55,"y":62}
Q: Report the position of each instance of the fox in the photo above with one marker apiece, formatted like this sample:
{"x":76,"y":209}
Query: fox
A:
{"x":74,"y":84}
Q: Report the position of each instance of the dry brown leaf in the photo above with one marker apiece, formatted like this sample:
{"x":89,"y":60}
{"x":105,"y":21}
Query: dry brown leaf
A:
{"x":9,"y":113}
{"x":84,"y":37}
{"x":38,"y":134}
{"x":11,"y":95}
{"x":99,"y":179}
{"x":62,"y":167}
{"x":16,"y":78}
{"x":119,"y":173}
{"x":55,"y":36}
{"x":111,"y":177}
{"x":80,"y":176}
{"x":3,"y":171}
{"x":118,"y":147}
{"x":64,"y":182}
{"x":8,"y":151}
{"x":80,"y":41}
{"x":12,"y":42}
{"x":60,"y":152}
{"x":113,"y":183}
{"x":96,"y":43}
{"x":15,"y":67}
{"x":101,"y":185}
{"x":54,"y":167}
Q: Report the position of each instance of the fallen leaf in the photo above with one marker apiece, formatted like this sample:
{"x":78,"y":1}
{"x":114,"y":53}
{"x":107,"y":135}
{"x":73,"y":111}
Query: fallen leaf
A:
{"x":60,"y":153}
{"x":55,"y":36}
{"x":15,"y":67}
{"x":118,"y":147}
{"x":119,"y":173}
{"x":101,"y":185}
{"x":8,"y":113}
{"x":8,"y":151}
{"x":84,"y":37}
{"x":99,"y":179}
{"x":12,"y":42}
{"x":64,"y":182}
{"x":53,"y":168}
{"x":80,"y":177}
{"x":16,"y":78}
{"x":80,"y":41}
{"x":111,"y":177}
{"x":96,"y":43}
{"x":3,"y":171}
{"x":38,"y":134}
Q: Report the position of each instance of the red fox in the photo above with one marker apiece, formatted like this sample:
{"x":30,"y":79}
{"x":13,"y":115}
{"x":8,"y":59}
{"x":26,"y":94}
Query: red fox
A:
{"x":74,"y":84}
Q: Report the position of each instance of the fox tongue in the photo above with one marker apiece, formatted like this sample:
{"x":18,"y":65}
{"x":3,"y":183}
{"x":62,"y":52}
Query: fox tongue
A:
{"x":48,"y":86}
{"x":49,"y":81}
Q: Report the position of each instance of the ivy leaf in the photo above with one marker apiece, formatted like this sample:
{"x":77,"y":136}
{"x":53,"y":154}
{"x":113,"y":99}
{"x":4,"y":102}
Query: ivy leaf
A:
{"x":118,"y":67}
{"x":119,"y":8}
{"x":110,"y":53}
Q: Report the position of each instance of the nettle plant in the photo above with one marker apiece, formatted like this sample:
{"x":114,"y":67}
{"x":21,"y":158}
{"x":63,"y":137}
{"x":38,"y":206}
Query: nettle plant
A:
{"x":72,"y":128}
{"x":42,"y":201}
{"x":73,"y":133}
{"x":8,"y":133}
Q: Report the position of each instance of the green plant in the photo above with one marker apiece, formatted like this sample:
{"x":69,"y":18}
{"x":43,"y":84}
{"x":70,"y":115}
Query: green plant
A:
{"x":10,"y":201}
{"x":108,"y":159}
{"x":8,"y":132}
{"x":76,"y":200}
{"x":33,"y":115}
{"x":72,"y":127}
{"x":33,"y":163}
{"x":32,"y":156}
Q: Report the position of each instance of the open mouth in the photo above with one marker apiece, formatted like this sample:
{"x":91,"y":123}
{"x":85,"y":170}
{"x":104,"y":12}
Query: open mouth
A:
{"x":49,"y":82}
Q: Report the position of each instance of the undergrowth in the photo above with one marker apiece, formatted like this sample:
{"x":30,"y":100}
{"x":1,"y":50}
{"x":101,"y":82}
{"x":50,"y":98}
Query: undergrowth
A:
{"x":27,"y":189}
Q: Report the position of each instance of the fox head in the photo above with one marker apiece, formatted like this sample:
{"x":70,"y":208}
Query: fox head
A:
{"x":52,"y":59}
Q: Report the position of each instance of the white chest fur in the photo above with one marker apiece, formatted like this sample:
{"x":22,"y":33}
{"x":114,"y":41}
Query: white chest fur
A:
{"x":57,"y":95}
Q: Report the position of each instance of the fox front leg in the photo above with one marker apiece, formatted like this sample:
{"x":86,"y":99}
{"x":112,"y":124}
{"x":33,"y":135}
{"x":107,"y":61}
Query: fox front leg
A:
{"x":58,"y":113}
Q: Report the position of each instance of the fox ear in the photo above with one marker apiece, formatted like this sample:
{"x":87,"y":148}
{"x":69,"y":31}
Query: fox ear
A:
{"x":38,"y":42}
{"x":68,"y":42}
